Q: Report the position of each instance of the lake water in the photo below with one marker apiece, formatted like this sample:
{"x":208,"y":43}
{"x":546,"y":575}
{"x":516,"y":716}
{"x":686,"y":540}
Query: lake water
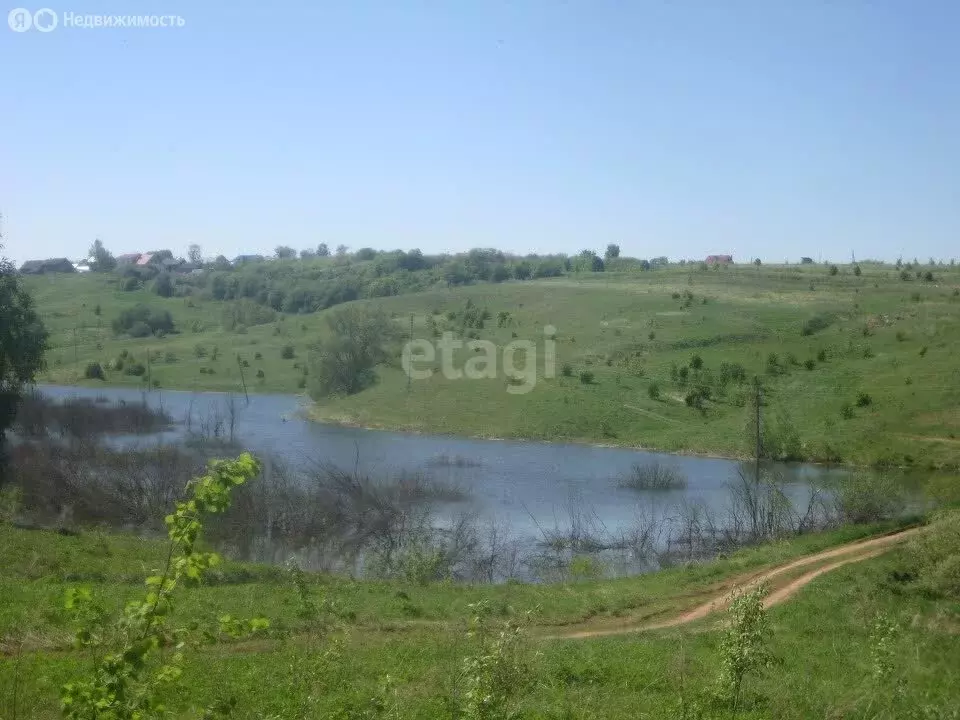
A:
{"x":522,"y":485}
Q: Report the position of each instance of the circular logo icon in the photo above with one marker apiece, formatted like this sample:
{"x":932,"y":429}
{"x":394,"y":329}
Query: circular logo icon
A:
{"x":45,"y":20}
{"x":19,"y":20}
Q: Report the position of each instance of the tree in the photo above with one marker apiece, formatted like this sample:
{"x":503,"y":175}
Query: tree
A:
{"x":342,"y":250}
{"x":283,"y":252}
{"x":23,"y":340}
{"x":103,"y":260}
{"x":323,"y":250}
{"x":588,"y":260}
{"x":163,"y":285}
{"x":756,"y":262}
{"x":856,"y":270}
{"x":345,"y":362}
{"x":194,"y":254}
{"x":613,"y":251}
{"x":307,"y":254}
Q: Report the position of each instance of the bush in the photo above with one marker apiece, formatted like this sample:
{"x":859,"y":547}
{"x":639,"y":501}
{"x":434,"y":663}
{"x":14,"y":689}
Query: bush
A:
{"x":653,"y":390}
{"x":935,"y":554}
{"x":653,"y":476}
{"x":846,"y":411}
{"x":131,"y":284}
{"x":822,"y":356}
{"x":864,"y":399}
{"x":904,"y":275}
{"x":928,"y":276}
{"x":260,"y":374}
{"x":923,"y":351}
{"x":865,"y":498}
{"x":163,"y":285}
{"x":158,"y":321}
{"x":139,"y":330}
{"x":809,"y":364}
{"x":834,"y":270}
{"x":696,"y":362}
{"x":93,"y":371}
{"x":566,"y":370}
{"x":697,"y":397}
{"x":818,"y":322}
{"x":135,"y":368}
{"x":287,"y":353}
{"x":586,"y":377}
{"x":856,"y":270}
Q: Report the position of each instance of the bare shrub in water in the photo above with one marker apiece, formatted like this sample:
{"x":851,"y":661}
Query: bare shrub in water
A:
{"x":653,"y":476}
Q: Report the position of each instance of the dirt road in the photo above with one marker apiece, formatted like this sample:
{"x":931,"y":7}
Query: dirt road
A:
{"x":841,"y":555}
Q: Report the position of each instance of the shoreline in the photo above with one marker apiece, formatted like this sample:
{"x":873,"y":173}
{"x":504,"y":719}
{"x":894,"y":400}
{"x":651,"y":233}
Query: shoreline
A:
{"x":309,"y":413}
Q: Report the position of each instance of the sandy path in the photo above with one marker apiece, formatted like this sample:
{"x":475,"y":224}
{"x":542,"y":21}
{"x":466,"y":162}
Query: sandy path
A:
{"x":849,"y":553}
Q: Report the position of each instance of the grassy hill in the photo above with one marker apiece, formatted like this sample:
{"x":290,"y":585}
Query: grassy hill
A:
{"x":854,"y":368}
{"x":824,"y":640}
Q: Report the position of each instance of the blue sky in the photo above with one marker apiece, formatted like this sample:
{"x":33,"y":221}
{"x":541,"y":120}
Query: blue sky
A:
{"x":774,"y":128}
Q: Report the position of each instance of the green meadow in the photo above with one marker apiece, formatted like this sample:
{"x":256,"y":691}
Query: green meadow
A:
{"x":853,"y":368}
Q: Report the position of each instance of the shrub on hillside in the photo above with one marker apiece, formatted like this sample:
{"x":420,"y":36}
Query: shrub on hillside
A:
{"x":246,"y":313}
{"x":818,"y":322}
{"x":139,"y":330}
{"x":653,"y":390}
{"x":809,"y":364}
{"x":157,"y":321}
{"x":566,"y":370}
{"x":586,"y":377}
{"x":864,"y":399}
{"x":163,"y":285}
{"x":134,"y":368}
{"x":287,"y":353}
{"x":93,"y":371}
{"x":834,"y":270}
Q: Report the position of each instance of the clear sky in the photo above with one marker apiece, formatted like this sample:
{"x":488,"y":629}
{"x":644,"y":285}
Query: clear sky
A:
{"x":771,"y":128}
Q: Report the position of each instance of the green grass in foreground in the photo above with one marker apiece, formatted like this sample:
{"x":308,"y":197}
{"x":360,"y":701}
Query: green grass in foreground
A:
{"x":893,"y":340}
{"x":417,"y":635}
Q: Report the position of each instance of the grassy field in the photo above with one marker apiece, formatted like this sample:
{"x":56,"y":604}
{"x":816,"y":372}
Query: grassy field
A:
{"x":417,"y":634}
{"x":873,"y":381}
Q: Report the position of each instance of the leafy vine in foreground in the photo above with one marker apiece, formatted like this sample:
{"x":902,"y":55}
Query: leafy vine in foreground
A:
{"x":125,"y":682}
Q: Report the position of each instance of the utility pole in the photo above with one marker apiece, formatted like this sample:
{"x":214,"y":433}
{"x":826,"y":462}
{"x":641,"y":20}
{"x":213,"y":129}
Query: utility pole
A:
{"x":758,"y":401}
{"x":411,"y":341}
{"x":242,"y":380}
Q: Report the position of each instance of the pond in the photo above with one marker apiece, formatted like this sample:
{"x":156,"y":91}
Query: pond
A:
{"x":524,"y":486}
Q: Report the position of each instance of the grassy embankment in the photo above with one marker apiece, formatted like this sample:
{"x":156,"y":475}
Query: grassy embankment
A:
{"x":874,"y":382}
{"x":417,"y":635}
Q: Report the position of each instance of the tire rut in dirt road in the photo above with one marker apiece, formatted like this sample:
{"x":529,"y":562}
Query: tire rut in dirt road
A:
{"x":850,"y":553}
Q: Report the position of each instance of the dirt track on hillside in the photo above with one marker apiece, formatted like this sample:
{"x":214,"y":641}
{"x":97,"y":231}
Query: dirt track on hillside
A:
{"x":723,"y":596}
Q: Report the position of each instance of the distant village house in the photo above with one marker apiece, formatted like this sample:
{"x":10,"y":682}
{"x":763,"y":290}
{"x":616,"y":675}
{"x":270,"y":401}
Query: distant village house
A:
{"x":719,"y":259}
{"x":52,"y":265}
